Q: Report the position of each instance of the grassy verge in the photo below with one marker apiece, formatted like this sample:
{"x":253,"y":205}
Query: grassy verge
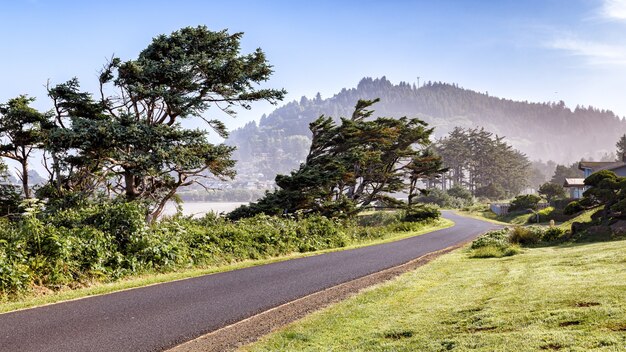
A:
{"x":49,"y":297}
{"x":554,"y":298}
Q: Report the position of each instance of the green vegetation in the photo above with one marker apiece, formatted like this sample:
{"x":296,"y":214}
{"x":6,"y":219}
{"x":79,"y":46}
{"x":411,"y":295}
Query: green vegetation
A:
{"x":494,"y":244}
{"x":502,"y":171}
{"x":352,"y":165}
{"x":453,"y":198}
{"x":129,"y":141}
{"x":284,"y":133}
{"x":372,"y":235}
{"x":106,"y":242}
{"x":524,"y":202}
{"x":566,"y":298}
{"x":552,"y":191}
{"x":583,"y":217}
{"x":115,"y":159}
{"x":561,"y":172}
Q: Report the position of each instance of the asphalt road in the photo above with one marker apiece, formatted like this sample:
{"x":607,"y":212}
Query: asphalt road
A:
{"x":158,"y":317}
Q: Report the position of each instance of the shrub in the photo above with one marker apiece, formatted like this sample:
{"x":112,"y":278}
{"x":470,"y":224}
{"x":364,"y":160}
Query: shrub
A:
{"x":379,"y":218}
{"x":560,"y":203}
{"x":495,"y":251}
{"x":496,"y":238}
{"x":573,"y":208}
{"x":524,"y":202}
{"x":111,"y":240}
{"x":123,"y":220}
{"x":423,"y":212}
{"x":552,"y":191}
{"x":526,"y":235}
{"x":553,"y":233}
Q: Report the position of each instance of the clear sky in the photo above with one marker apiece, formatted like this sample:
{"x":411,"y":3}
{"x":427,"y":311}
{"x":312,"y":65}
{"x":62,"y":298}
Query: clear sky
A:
{"x":544,"y":50}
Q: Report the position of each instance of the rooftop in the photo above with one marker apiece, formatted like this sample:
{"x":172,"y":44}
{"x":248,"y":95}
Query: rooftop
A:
{"x":574,"y":182}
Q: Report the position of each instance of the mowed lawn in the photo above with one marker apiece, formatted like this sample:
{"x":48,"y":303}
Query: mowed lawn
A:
{"x":569,"y":298}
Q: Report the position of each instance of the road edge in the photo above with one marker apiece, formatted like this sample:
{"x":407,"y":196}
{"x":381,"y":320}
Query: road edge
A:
{"x":246,"y":331}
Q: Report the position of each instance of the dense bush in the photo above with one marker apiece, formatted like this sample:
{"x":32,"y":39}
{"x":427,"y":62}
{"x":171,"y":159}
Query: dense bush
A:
{"x":526,"y":235}
{"x":553,"y":233}
{"x":421,"y":212}
{"x":455,"y":197}
{"x":506,"y":241}
{"x":106,"y":241}
{"x":494,"y":244}
{"x":496,"y":238}
{"x":524,"y":202}
{"x":378,"y":218}
{"x":560,"y":203}
{"x":573,"y":208}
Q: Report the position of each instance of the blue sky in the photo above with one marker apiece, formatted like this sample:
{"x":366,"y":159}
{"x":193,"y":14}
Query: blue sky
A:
{"x":549,"y":50}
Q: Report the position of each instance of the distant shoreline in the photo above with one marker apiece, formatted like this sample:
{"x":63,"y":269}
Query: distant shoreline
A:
{"x":199,"y":209}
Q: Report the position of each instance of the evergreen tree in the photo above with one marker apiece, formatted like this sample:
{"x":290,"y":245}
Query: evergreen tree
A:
{"x":130,"y":140}
{"x":483,"y":163}
{"x":621,"y":147}
{"x":352,"y":164}
{"x":21,"y":130}
{"x":561,"y":172}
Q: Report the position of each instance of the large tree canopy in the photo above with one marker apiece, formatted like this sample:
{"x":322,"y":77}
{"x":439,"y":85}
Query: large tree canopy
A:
{"x":483,"y":163}
{"x":352,"y":164}
{"x":129,"y":140}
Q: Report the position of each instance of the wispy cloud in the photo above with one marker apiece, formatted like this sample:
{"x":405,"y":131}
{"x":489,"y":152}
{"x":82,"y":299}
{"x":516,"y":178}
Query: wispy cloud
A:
{"x":595,"y":53}
{"x":614,"y":9}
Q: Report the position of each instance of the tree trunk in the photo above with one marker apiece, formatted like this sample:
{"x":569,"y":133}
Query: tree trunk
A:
{"x":159,"y":210}
{"x":27,"y":194}
{"x":129,"y":185}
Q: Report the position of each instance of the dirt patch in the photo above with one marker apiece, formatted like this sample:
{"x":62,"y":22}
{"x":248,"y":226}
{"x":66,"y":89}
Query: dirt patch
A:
{"x":251,"y":329}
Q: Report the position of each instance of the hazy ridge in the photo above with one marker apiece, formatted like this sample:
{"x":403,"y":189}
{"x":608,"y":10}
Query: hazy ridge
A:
{"x":545,"y":131}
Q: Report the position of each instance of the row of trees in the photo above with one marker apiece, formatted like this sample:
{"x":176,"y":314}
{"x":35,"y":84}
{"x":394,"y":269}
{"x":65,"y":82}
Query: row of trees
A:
{"x":128,"y":141}
{"x":483,"y":163}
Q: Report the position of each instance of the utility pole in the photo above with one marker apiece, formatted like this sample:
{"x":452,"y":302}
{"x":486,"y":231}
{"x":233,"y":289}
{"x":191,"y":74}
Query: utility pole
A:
{"x":418,"y":82}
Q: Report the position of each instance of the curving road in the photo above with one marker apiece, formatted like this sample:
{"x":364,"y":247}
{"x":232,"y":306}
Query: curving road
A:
{"x":158,"y":317}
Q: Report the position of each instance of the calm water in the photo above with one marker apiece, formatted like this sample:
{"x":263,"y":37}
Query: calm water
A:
{"x":198,"y":209}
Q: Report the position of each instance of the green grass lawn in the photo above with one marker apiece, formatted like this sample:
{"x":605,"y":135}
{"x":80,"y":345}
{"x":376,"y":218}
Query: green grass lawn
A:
{"x":484,"y":213}
{"x":569,"y":298}
{"x":49,"y":297}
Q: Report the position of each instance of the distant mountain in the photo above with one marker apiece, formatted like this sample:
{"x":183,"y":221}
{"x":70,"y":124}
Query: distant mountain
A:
{"x":545,"y":131}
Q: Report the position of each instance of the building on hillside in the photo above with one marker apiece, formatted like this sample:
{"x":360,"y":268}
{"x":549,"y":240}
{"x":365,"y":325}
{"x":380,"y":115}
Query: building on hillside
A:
{"x":589,"y":167}
{"x":576,"y":186}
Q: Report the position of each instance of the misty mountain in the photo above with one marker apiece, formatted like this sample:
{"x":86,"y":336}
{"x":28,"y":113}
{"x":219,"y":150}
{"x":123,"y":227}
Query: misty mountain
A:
{"x":543,"y":131}
{"x":34,"y":178}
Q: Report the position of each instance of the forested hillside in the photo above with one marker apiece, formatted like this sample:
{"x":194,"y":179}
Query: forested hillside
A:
{"x":546,"y":131}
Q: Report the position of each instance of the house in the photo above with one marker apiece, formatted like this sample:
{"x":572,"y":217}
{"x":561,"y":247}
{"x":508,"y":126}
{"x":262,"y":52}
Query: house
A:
{"x":576,"y":186}
{"x":589,"y":167}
